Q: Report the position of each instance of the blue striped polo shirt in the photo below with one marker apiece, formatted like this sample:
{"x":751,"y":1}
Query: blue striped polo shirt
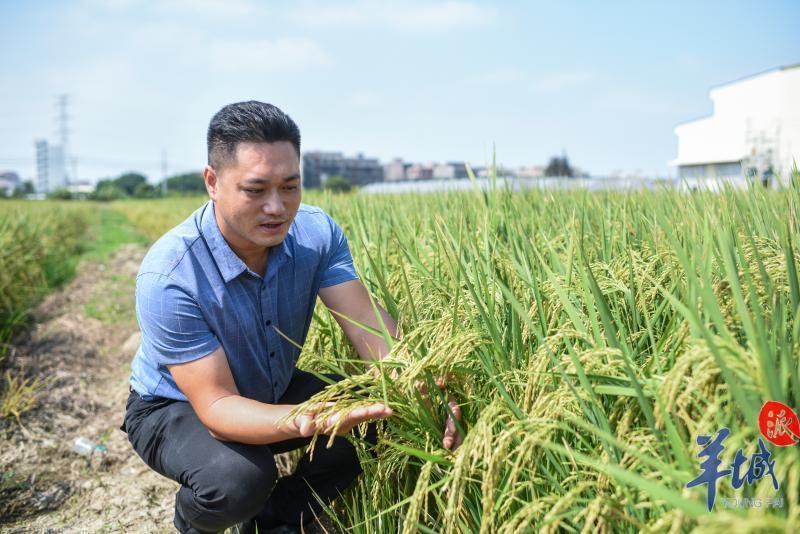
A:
{"x":194,"y":294}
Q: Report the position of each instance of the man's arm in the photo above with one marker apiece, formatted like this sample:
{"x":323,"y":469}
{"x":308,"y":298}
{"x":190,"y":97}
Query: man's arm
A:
{"x":208,"y":384}
{"x":352,"y":300}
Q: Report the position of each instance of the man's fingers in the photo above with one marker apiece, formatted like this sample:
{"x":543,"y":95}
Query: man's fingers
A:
{"x":454,"y":408}
{"x":305,"y":425}
{"x":452,"y":437}
{"x":373,"y":411}
{"x":359,"y":415}
{"x":449,"y":433}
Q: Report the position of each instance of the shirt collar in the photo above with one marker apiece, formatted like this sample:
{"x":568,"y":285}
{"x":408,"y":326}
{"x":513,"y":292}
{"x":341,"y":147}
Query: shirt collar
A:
{"x":229,"y":264}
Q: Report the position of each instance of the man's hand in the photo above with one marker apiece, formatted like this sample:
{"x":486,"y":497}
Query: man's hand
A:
{"x":309,"y":423}
{"x":452,"y":438}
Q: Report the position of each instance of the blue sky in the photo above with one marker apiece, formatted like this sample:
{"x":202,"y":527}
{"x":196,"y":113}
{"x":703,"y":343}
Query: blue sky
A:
{"x":422,"y":80}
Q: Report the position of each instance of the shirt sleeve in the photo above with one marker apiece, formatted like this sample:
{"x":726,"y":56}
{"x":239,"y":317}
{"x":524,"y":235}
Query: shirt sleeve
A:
{"x":172,"y":324}
{"x":339,"y":265}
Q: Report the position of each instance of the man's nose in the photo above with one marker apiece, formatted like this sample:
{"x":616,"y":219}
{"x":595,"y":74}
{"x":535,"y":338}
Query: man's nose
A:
{"x":273,"y":204}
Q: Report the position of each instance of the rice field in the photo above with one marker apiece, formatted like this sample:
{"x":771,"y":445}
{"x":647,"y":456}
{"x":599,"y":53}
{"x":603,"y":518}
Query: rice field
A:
{"x":38,"y":244}
{"x":590,"y":338}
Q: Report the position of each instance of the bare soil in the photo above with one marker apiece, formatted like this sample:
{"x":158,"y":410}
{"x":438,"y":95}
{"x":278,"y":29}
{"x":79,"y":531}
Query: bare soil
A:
{"x":80,"y":343}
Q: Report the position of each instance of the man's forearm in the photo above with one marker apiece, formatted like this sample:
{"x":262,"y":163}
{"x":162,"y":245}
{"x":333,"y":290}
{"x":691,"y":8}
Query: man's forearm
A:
{"x":237,"y":418}
{"x":368,"y":345}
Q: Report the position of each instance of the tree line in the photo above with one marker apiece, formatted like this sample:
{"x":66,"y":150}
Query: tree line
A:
{"x":135,"y":185}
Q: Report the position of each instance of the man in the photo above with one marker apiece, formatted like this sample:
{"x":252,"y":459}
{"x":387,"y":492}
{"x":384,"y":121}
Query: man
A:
{"x":222,"y":300}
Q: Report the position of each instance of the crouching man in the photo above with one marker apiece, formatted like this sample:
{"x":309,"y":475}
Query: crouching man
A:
{"x":218,"y":299}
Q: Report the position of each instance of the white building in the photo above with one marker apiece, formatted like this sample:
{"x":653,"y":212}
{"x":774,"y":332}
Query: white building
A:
{"x":754,"y":131}
{"x":51,"y":171}
{"x":395,"y":170}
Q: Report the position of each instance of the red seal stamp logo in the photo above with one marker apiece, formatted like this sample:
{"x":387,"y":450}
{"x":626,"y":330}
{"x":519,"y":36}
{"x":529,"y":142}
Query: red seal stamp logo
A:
{"x":778,"y":423}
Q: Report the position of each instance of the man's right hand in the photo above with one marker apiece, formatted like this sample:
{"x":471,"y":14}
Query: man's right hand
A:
{"x":312,"y":422}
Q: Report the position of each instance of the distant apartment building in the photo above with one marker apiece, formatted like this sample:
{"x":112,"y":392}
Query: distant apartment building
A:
{"x":419,"y":171}
{"x":50,"y":167}
{"x":395,"y":170}
{"x":398,"y":170}
{"x":318,"y":166}
{"x":452,"y":170}
{"x":753,"y":131}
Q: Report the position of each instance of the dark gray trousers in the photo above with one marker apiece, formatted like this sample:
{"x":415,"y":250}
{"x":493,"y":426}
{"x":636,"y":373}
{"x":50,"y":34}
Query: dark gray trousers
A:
{"x":224,"y":483}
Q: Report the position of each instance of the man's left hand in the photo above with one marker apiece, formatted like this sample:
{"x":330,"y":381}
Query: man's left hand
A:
{"x":452,"y":438}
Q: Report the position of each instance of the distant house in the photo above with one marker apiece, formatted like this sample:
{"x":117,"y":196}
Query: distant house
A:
{"x":754,"y":131}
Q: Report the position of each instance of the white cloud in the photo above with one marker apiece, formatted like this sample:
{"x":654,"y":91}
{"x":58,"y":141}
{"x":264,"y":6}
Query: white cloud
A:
{"x":212,"y":8}
{"x":207,"y":8}
{"x":412,"y":15}
{"x":560,"y":81}
{"x":267,"y":56}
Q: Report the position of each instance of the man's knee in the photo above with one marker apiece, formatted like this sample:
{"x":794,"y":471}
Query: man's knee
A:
{"x":235,"y":489}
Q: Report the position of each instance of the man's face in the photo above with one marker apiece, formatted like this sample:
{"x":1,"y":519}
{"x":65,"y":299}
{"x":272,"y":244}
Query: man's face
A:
{"x":256,"y":197}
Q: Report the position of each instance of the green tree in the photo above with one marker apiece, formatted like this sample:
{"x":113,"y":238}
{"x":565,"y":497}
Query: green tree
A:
{"x":559,"y":166}
{"x":24,"y":189}
{"x":60,"y":194}
{"x":144,"y":190}
{"x":338,"y":184}
{"x":126,"y":182}
{"x":129,"y":181}
{"x":190,"y":183}
{"x":107,"y":192}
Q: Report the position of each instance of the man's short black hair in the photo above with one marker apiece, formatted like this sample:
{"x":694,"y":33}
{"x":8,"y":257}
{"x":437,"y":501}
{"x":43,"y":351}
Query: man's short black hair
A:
{"x":251,"y":121}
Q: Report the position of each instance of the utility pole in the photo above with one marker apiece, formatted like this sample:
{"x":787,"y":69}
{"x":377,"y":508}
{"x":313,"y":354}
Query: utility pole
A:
{"x":164,"y":186}
{"x":63,"y":134}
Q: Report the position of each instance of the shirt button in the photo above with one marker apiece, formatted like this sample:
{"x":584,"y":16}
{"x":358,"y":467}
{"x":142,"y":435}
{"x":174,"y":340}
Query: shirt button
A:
{"x":272,"y":354}
{"x":268,"y":322}
{"x":275,"y":384}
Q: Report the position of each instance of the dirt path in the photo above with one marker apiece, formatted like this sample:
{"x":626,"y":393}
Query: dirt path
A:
{"x":82,"y":342}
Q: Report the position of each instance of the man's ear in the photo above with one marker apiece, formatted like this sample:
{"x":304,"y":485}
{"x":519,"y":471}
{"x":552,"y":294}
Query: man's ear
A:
{"x":211,"y":181}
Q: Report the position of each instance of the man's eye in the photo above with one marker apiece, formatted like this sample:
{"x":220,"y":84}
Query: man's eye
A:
{"x":290,"y":188}
{"x":252,"y":191}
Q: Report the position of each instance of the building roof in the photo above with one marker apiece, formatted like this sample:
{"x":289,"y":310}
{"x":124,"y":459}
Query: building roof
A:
{"x":757,"y":74}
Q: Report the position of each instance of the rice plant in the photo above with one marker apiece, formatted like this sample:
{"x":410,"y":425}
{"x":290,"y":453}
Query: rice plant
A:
{"x":39,"y":246}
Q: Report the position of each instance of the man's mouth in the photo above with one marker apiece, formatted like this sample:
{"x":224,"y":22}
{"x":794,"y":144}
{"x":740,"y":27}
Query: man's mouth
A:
{"x":272,"y":226}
